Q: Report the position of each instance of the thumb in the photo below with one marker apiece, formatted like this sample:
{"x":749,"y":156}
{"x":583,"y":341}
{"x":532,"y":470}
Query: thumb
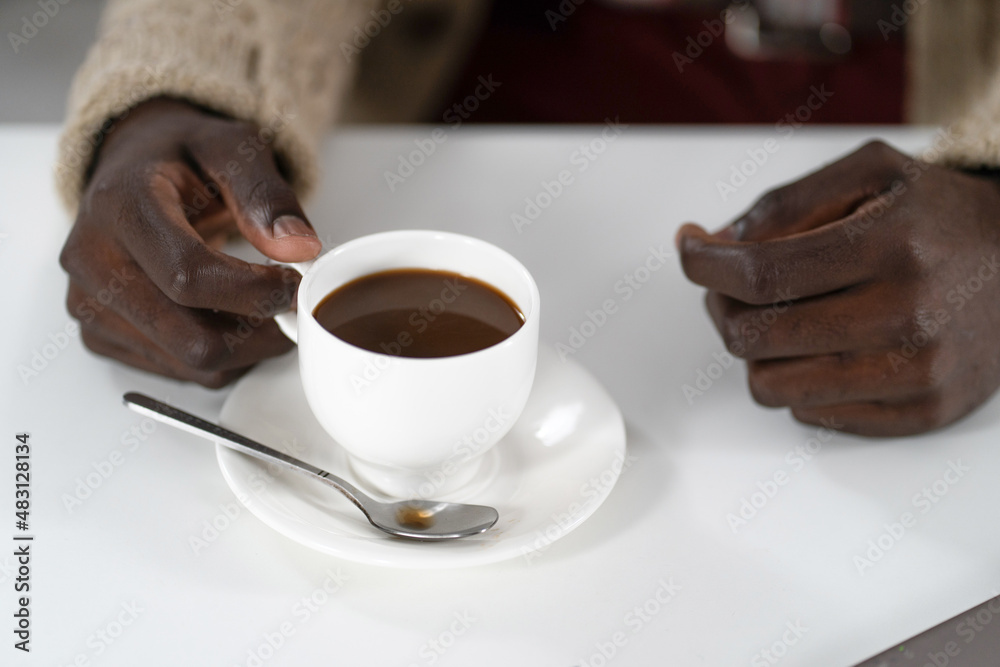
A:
{"x":292,"y":240}
{"x":267,"y":210}
{"x":700,"y":251}
{"x":689,"y":232}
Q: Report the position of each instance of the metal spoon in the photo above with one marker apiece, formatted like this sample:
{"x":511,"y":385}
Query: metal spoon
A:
{"x":413,"y":519}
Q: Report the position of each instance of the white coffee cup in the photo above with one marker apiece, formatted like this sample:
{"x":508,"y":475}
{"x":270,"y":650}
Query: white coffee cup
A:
{"x":414,"y":427}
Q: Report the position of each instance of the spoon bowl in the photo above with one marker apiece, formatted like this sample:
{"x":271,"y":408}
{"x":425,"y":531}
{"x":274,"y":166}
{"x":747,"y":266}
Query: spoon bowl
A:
{"x":418,"y":519}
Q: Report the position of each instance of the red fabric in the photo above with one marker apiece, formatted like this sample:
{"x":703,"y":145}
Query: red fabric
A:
{"x":610,"y":61}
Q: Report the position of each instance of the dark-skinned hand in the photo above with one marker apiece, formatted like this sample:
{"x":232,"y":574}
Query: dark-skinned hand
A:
{"x":865,"y":296}
{"x":147,"y":283}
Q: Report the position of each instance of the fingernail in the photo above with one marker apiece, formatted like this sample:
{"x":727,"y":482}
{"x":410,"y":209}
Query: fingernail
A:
{"x":289,"y":225}
{"x":683,"y":232}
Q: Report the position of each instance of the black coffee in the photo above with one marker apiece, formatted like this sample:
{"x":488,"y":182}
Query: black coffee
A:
{"x":419,"y":313}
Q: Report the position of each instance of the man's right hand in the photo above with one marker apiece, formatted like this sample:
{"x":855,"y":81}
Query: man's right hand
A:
{"x":863,"y":296}
{"x":145,"y":282}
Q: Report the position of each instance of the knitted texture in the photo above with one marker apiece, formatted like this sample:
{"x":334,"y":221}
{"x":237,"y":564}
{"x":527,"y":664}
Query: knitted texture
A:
{"x":272,"y":62}
{"x":955,"y":79}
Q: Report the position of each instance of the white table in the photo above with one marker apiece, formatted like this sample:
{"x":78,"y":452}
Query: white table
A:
{"x":120,"y":564}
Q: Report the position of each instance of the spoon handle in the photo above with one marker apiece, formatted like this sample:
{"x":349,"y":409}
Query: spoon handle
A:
{"x":186,"y":421}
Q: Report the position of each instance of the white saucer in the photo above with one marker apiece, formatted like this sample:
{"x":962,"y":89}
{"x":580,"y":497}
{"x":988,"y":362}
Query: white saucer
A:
{"x":546,"y":477}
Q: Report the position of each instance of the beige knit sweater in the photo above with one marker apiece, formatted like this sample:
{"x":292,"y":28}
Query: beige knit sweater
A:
{"x":302,"y":64}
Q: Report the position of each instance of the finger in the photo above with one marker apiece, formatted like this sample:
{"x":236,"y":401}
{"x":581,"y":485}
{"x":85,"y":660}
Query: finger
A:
{"x":169,"y":251}
{"x":826,"y":195}
{"x":817,"y":261}
{"x":198,"y":339}
{"x":879,"y":419}
{"x":848,"y":321}
{"x":836,"y":379}
{"x":146,"y":360}
{"x":265,"y":206}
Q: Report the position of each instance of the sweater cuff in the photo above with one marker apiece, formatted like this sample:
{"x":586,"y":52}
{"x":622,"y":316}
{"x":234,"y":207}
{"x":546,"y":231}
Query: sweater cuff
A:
{"x":973,"y":141}
{"x":188,"y":50}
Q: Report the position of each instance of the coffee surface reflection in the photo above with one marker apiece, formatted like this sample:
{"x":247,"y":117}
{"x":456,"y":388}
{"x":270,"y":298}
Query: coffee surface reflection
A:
{"x":419,"y":313}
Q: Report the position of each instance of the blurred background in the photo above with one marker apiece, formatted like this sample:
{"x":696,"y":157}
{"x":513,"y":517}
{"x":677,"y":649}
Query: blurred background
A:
{"x":35,"y":80}
{"x":615,"y":57}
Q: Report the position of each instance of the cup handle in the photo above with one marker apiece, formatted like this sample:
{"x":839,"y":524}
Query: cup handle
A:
{"x":288,"y":321}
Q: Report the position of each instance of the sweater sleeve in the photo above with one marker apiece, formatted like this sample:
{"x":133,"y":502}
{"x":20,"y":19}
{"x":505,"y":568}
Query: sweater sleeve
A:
{"x":276,"y":63}
{"x":954,"y":55}
{"x":973,"y":140}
